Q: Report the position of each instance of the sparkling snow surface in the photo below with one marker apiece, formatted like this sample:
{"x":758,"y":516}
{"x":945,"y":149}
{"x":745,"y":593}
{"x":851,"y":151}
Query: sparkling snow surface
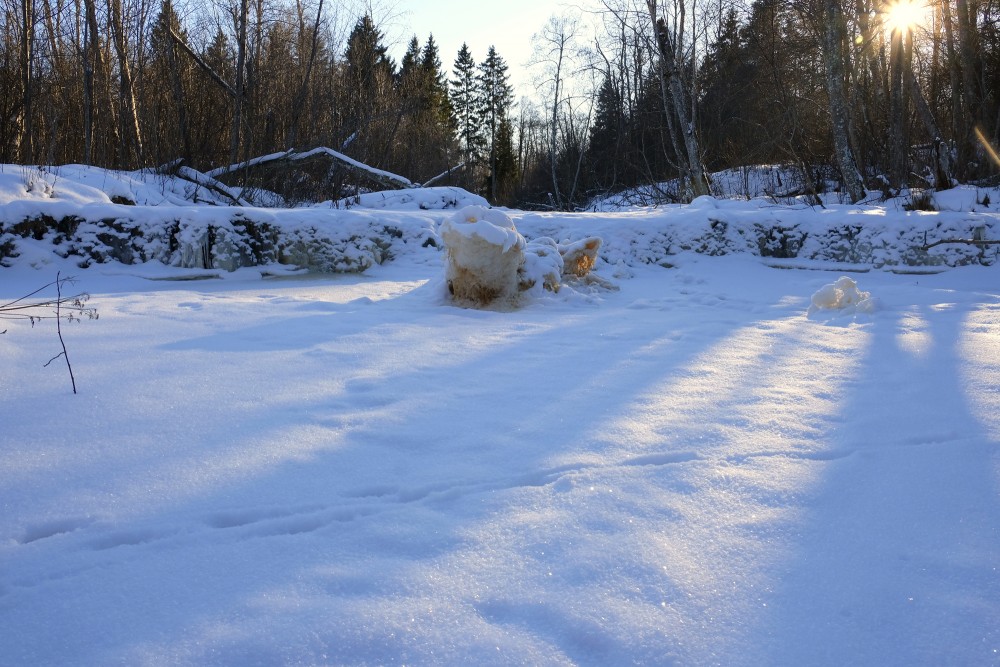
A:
{"x":348,"y":470}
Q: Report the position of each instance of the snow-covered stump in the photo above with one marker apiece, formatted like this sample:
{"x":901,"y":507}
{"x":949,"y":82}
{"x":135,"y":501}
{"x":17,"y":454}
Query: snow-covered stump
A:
{"x":484,"y":254}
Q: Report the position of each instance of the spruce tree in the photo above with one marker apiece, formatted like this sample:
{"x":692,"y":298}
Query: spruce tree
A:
{"x":496,"y":96}
{"x":436,"y":85}
{"x":409,"y":65}
{"x":368,"y":88}
{"x":608,"y":133}
{"x":726,"y":77}
{"x":464,"y":102}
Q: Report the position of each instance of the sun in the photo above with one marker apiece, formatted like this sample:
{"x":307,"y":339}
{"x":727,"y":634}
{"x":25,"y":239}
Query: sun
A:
{"x":904,"y":15}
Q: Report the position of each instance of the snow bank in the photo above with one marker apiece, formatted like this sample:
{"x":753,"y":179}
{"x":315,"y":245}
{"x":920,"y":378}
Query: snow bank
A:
{"x":101,"y":216}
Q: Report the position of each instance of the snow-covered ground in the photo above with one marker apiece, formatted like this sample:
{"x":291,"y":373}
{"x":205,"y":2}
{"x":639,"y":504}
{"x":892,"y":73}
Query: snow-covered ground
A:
{"x":728,"y":460}
{"x":347,"y":470}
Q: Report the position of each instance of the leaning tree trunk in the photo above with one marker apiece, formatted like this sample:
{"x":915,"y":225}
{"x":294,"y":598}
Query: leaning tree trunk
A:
{"x":695,"y":174}
{"x":835,"y":61}
{"x":941,"y":154}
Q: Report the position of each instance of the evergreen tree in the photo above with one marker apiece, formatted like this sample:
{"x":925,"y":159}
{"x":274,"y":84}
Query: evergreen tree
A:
{"x":408,"y":65}
{"x":427,"y":131}
{"x":608,"y":134}
{"x":368,"y":91}
{"x":213,"y":105}
{"x":410,"y":81}
{"x":496,"y":96}
{"x":464,"y":102}
{"x":505,"y":169}
{"x":436,"y":85}
{"x":726,"y":76}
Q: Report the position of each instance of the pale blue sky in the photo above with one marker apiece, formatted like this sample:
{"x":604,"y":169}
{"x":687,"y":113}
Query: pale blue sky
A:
{"x":506,"y":24}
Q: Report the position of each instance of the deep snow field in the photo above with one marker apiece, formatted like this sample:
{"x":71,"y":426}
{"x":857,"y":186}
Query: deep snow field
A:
{"x":328,"y":470}
{"x":696,"y":468}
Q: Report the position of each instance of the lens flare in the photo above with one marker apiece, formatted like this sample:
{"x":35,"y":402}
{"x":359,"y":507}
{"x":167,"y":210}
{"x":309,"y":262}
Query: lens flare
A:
{"x":904,"y":15}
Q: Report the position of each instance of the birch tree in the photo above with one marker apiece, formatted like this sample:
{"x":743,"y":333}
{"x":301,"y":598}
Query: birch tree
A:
{"x":834,"y":57}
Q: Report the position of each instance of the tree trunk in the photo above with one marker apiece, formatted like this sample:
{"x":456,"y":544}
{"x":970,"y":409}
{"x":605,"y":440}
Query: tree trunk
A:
{"x":88,"y":88}
{"x":95,"y":73}
{"x":835,"y":61}
{"x":27,"y":57}
{"x":554,"y":134}
{"x":971,"y":102}
{"x":897,"y":112}
{"x":694,"y":171}
{"x":940,"y":152}
{"x":130,"y":114}
{"x":178,"y":95}
{"x":241,"y":63}
{"x":300,"y":97}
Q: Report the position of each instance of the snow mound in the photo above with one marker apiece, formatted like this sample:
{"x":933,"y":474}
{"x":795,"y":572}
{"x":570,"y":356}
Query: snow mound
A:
{"x":704,"y":202}
{"x":844,"y":296}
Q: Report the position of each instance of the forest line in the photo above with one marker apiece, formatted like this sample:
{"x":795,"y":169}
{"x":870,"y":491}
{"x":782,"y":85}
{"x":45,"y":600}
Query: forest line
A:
{"x":859,"y":95}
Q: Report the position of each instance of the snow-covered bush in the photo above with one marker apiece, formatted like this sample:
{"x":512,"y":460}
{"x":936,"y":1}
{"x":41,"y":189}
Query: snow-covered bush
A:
{"x":484,"y":255}
{"x":423,"y":199}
